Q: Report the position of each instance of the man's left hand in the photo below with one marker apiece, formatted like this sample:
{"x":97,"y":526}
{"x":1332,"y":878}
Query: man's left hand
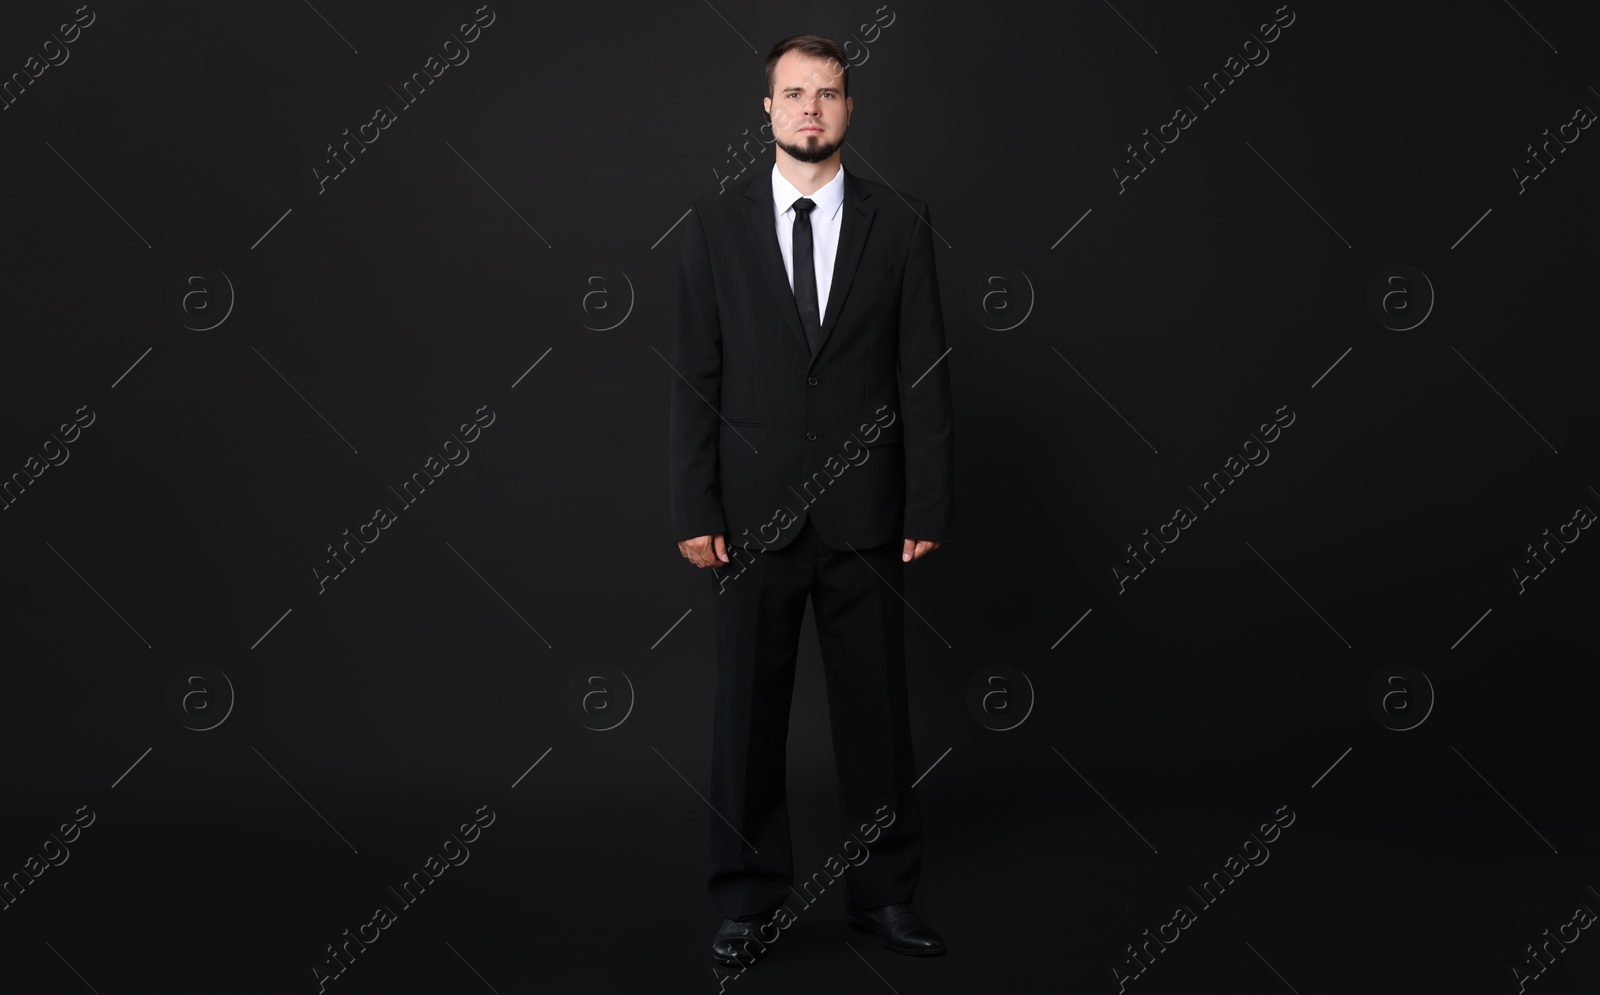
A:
{"x":916,"y":549}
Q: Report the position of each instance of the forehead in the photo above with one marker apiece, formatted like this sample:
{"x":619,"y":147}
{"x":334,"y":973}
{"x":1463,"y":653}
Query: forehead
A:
{"x":796,"y":69}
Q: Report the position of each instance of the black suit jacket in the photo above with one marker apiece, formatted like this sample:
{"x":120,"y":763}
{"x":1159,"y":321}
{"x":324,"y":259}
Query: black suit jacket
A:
{"x":859,"y":437}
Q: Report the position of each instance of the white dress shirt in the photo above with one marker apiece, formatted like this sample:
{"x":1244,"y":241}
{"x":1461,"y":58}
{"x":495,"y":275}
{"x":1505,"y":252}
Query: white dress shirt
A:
{"x":825,"y":218}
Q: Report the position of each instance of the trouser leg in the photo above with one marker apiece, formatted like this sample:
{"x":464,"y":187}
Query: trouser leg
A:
{"x":857,"y":601}
{"x":758,"y":611}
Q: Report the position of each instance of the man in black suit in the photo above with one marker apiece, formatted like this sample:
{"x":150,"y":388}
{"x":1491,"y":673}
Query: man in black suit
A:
{"x":811,"y":453}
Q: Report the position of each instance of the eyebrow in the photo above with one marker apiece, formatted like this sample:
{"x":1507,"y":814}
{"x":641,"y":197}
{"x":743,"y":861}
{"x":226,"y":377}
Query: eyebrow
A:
{"x":823,"y":89}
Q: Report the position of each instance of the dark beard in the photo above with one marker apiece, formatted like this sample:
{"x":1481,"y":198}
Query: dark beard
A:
{"x":808,"y":152}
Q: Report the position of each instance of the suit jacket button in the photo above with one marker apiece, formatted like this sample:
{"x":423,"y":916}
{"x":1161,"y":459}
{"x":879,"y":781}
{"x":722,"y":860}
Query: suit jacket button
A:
{"x":811,"y":436}
{"x":812,"y":381}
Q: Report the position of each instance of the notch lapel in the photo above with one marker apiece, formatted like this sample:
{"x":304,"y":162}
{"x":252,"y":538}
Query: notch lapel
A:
{"x":758,"y":216}
{"x":855,"y":220}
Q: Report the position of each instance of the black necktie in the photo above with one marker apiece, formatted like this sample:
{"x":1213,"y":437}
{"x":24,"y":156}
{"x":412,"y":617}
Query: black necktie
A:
{"x":805,"y":274}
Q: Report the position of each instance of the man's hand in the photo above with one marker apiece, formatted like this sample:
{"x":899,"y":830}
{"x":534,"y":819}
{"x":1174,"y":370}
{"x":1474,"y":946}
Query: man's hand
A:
{"x":704,"y":551}
{"x":916,"y":549}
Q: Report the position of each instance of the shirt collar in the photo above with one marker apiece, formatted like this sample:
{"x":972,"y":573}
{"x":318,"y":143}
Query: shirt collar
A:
{"x":827,"y":198}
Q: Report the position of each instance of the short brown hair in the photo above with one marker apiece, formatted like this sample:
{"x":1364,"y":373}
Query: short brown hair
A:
{"x":818,"y":46}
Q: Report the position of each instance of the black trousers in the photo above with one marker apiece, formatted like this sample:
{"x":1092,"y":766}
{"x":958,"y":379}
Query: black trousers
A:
{"x":856,"y":598}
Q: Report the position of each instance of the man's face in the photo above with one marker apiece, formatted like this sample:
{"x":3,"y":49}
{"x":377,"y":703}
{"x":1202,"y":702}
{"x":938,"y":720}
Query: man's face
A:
{"x":808,"y":109}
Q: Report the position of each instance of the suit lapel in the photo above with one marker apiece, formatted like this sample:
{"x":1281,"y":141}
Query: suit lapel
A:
{"x":855,"y":220}
{"x":758,"y":216}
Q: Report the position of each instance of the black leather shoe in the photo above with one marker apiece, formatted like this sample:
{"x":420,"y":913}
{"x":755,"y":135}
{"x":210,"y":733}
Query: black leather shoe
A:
{"x":736,"y":943}
{"x":898,"y":928}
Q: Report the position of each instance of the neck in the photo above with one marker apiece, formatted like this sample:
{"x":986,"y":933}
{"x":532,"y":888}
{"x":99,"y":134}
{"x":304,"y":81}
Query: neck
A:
{"x":808,"y":177}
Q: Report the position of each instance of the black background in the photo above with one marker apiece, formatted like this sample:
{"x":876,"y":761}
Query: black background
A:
{"x":369,"y":721}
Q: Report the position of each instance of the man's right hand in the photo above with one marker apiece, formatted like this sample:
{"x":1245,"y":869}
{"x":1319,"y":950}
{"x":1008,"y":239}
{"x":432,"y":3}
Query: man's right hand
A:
{"x":704,"y":551}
